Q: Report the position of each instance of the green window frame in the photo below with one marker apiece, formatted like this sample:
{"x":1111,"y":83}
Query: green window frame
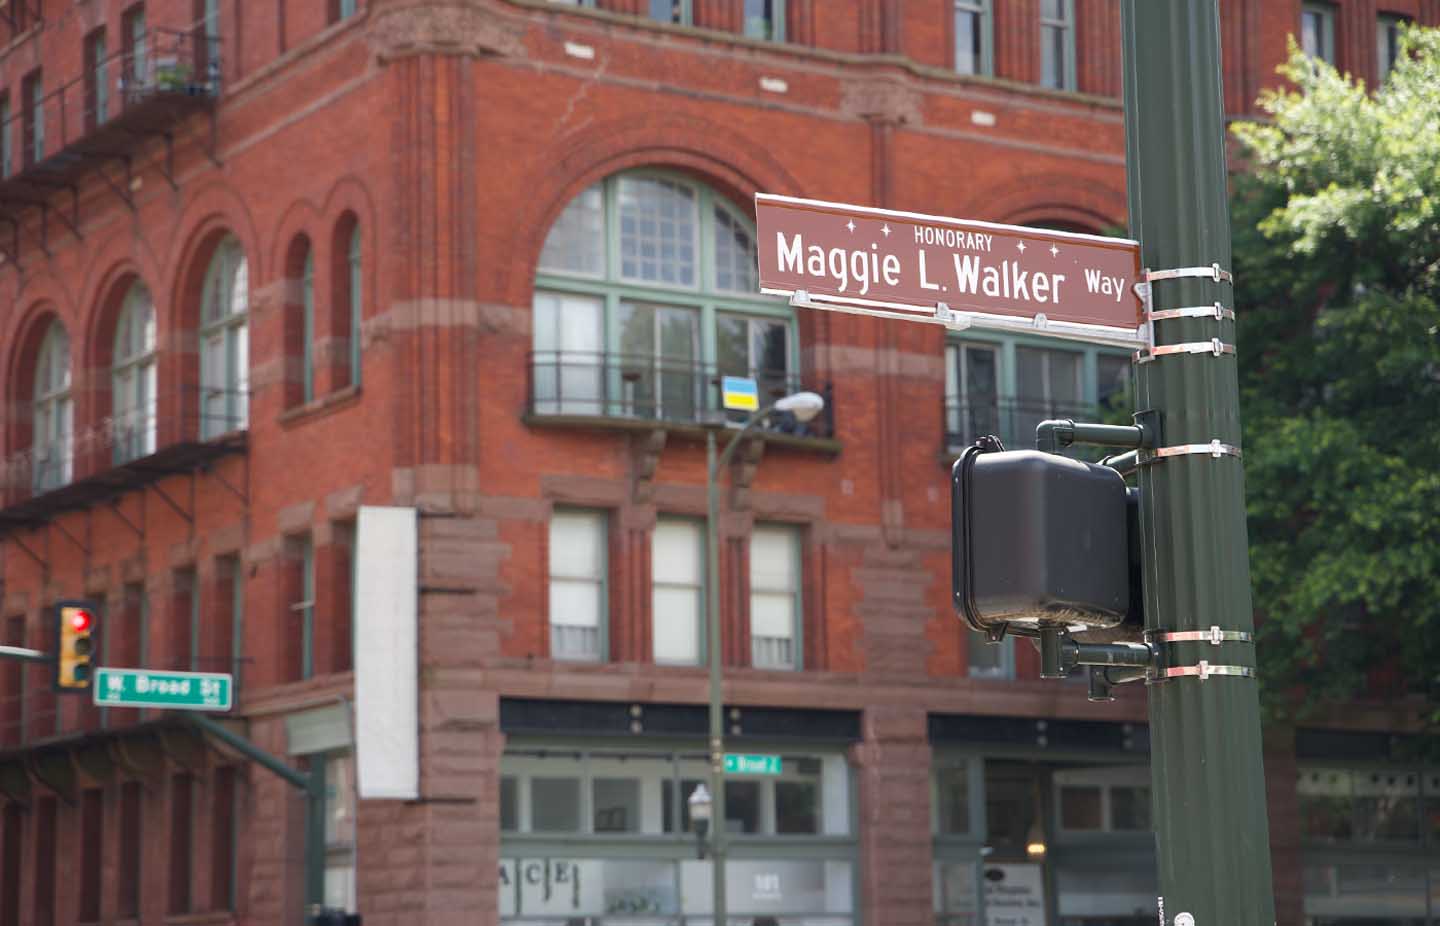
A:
{"x":579,"y":368}
{"x":973,"y":27}
{"x":773,"y":589}
{"x":354,"y":267}
{"x":1009,"y":397}
{"x":764,"y":20}
{"x":307,"y":310}
{"x":676,"y":12}
{"x":592,"y":579}
{"x":225,"y":342}
{"x":303,"y":549}
{"x":667,"y":584}
{"x":1317,"y":31}
{"x":1387,"y":43}
{"x":98,"y":66}
{"x":53,"y":413}
{"x":7,"y":132}
{"x":1057,"y":44}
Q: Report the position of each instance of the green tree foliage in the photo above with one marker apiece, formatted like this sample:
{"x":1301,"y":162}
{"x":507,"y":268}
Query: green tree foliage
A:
{"x":1337,"y":252}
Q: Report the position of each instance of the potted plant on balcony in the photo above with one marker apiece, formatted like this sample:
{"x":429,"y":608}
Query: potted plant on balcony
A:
{"x":172,"y":75}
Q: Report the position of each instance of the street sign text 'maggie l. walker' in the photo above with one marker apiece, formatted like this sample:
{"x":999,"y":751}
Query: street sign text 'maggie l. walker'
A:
{"x":914,"y":263}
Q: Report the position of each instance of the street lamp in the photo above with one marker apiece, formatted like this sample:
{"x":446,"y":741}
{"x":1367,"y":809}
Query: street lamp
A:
{"x":699,"y":801}
{"x":804,"y":406}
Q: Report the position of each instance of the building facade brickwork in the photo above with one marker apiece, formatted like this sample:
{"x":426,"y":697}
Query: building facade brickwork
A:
{"x":336,"y":222}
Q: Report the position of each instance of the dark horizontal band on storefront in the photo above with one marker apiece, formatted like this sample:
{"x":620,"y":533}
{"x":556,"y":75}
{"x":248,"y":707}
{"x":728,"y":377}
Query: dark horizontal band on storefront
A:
{"x":1370,"y":746}
{"x":623,"y":718}
{"x":964,"y":729}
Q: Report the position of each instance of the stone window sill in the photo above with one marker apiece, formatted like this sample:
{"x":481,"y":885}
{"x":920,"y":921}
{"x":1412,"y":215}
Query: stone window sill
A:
{"x":321,"y":406}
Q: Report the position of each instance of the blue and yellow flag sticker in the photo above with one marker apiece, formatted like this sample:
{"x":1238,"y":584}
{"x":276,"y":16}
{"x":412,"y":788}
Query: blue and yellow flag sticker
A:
{"x":739,"y":393}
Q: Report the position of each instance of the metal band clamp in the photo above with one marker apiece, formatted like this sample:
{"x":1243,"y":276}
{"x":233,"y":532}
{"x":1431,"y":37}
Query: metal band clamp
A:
{"x":1204,"y":670}
{"x":1213,"y":346}
{"x":1216,"y":448}
{"x":1216,"y":311}
{"x":1214,"y":636}
{"x":1212,"y":272}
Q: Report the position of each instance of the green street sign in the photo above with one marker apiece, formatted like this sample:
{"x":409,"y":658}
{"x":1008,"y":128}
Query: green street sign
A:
{"x":186,"y":691}
{"x":737,"y":764}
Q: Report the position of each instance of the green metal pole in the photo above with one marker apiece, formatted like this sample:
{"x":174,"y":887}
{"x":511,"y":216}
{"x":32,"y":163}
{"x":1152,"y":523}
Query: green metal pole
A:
{"x":1212,"y":835}
{"x":311,"y":783}
{"x":717,"y":705}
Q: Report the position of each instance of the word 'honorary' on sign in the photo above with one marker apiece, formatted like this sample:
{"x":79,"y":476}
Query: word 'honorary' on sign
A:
{"x":914,"y":262}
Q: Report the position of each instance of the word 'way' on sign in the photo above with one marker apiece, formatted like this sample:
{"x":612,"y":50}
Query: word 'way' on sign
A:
{"x":911,"y":261}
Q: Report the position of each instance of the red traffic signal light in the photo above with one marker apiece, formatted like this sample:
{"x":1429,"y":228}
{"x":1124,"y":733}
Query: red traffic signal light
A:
{"x":75,"y":626}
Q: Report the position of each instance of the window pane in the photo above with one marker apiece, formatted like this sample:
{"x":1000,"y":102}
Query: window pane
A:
{"x":677,"y":626}
{"x":736,"y":266}
{"x":1432,"y":814}
{"x":509,"y":804}
{"x":989,"y":660}
{"x":773,"y":892}
{"x":1080,"y":809}
{"x":1113,"y":373}
{"x":555,"y":805}
{"x":569,"y":360}
{"x":576,"y":243}
{"x":667,"y":11}
{"x":1052,"y":57}
{"x":742,"y":806}
{"x":1387,"y":805}
{"x":732,"y":345}
{"x":1052,"y":9}
{"x":577,"y":541}
{"x":658,"y":226}
{"x":760,"y":19}
{"x":968,"y":42}
{"x":617,"y":805}
{"x":677,"y":552}
{"x":952,"y":786}
{"x":797,"y":807}
{"x":1326,"y":803}
{"x":1129,"y":808}
{"x":340,"y":800}
{"x":1365,"y":894}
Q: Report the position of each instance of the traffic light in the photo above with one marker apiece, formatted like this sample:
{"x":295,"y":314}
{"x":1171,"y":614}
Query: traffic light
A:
{"x":75,"y":628}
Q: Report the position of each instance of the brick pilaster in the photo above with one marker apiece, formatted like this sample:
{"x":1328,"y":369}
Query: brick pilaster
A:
{"x":1097,"y":47}
{"x":1283,"y":804}
{"x":894,"y":780}
{"x":1017,"y":40}
{"x":1355,"y":39}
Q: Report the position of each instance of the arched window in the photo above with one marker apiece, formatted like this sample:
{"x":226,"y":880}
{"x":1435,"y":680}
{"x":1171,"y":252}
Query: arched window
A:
{"x":132,"y":377}
{"x":646,"y":292}
{"x":54,"y":412}
{"x":224,"y":342}
{"x":307,"y":323}
{"x":353,"y":293}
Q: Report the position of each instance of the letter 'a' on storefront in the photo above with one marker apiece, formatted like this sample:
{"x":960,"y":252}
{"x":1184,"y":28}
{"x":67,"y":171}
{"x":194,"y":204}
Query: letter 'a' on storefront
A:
{"x":1039,"y":540}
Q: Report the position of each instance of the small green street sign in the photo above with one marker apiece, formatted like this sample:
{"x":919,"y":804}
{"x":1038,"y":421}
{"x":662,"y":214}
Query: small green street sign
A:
{"x":188,"y":691}
{"x":737,"y":764}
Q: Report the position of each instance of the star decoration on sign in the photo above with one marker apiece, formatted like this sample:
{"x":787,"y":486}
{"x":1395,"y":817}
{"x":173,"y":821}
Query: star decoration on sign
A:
{"x":1054,"y":251}
{"x":850,"y":225}
{"x":886,"y":230}
{"x":1021,"y":246}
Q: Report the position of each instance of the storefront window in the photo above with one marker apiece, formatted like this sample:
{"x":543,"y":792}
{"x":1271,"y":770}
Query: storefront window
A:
{"x":1388,"y":893}
{"x":607,"y":792}
{"x":1343,"y":805}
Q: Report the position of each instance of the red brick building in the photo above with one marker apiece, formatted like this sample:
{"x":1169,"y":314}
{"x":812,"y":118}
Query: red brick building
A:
{"x":262,"y":264}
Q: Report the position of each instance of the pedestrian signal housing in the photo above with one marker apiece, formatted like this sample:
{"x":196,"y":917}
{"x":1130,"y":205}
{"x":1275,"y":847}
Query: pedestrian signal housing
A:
{"x":1039,"y":541}
{"x":75,"y":635}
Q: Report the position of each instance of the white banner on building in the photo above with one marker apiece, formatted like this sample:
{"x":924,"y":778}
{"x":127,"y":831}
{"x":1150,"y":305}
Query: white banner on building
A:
{"x":387,"y":717}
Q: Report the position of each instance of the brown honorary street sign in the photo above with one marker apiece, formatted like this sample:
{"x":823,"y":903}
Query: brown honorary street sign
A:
{"x":912,"y":262}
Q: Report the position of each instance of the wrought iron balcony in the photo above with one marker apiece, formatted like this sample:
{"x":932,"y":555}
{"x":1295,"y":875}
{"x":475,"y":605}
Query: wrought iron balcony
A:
{"x":92,"y":125}
{"x":177,"y":433}
{"x":639,"y":389}
{"x":1012,"y":420}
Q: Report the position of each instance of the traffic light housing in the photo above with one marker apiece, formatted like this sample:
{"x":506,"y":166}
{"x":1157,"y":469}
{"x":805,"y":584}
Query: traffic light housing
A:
{"x":76,"y":630}
{"x":1040,"y":541}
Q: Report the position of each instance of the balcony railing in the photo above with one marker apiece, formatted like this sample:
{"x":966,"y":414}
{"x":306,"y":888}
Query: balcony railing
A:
{"x":1012,"y":420}
{"x":46,"y":143}
{"x":648,"y":388}
{"x":173,"y":433}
